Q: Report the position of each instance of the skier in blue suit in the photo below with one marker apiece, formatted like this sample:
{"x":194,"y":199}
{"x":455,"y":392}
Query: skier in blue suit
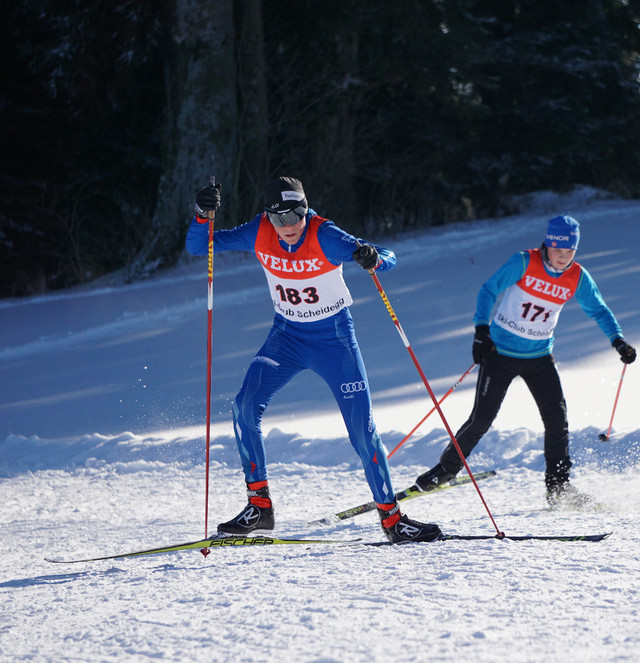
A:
{"x":301,"y":254}
{"x":518,"y":341}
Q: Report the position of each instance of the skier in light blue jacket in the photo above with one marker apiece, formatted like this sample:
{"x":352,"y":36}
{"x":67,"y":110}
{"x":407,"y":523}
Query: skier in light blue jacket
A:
{"x":518,"y":341}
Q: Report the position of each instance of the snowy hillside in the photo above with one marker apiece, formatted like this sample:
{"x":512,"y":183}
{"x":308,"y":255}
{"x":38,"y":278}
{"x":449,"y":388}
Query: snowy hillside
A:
{"x":102,"y":411}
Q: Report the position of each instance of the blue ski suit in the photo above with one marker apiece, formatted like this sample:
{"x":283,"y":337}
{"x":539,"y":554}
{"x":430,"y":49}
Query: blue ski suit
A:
{"x":312,"y":329}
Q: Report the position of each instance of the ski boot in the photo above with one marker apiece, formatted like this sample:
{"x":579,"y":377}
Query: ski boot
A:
{"x":562,"y":495}
{"x":433,"y":478}
{"x":256,"y":518}
{"x":399,"y":528}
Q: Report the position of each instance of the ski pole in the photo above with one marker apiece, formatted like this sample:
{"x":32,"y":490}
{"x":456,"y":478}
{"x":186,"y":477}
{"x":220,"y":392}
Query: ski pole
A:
{"x":212,"y":215}
{"x":602,"y":436}
{"x":405,"y":340}
{"x":431,"y":411}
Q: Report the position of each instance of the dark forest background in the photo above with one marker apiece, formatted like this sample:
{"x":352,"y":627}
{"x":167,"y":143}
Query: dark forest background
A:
{"x":395,"y":116}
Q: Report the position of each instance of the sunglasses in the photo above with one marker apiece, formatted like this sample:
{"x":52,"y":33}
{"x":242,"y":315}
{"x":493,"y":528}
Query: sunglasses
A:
{"x":289,"y":218}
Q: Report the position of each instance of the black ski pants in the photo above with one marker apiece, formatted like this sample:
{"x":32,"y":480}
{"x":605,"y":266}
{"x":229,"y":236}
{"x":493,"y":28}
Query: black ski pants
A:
{"x":542,"y":379}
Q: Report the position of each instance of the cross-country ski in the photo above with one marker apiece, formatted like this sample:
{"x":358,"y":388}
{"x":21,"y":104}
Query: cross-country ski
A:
{"x":265,"y":542}
{"x":406,"y":494}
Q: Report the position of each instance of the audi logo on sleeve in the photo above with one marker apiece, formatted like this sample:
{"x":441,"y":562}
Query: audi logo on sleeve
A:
{"x":352,"y":387}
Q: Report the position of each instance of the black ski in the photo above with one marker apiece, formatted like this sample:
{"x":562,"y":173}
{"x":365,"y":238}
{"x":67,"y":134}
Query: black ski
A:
{"x":527,"y":537}
{"x":488,"y":537}
{"x":406,"y":494}
{"x":205,"y":545}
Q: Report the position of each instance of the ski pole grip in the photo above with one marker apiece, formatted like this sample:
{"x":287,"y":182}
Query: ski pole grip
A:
{"x":371,"y":271}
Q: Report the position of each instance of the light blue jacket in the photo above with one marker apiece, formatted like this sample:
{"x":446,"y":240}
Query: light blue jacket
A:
{"x":512,"y":345}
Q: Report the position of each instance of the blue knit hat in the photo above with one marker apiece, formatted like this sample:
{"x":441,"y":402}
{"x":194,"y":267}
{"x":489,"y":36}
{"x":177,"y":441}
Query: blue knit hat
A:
{"x":563,"y":232}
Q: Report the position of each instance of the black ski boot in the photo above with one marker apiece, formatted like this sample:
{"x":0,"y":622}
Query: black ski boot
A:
{"x":256,"y":518}
{"x":399,"y":528}
{"x":433,"y":478}
{"x":562,"y":495}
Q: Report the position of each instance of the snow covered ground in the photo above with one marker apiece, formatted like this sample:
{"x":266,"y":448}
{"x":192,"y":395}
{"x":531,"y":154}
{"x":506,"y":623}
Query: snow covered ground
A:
{"x":102,"y":451}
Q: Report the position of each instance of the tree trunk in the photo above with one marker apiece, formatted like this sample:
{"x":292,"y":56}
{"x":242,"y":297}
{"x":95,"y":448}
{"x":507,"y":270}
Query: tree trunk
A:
{"x":201,"y":125}
{"x":253,"y":131}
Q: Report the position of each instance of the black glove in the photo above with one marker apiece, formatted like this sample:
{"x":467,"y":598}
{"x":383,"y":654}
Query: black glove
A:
{"x":626,"y":352}
{"x":366,"y":256}
{"x":208,"y":199}
{"x":482,"y":344}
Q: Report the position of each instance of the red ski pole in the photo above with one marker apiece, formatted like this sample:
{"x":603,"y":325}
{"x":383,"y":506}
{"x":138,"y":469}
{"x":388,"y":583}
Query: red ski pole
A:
{"x":431,"y":411}
{"x":405,"y":340}
{"x":212,"y":215}
{"x":602,"y":436}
